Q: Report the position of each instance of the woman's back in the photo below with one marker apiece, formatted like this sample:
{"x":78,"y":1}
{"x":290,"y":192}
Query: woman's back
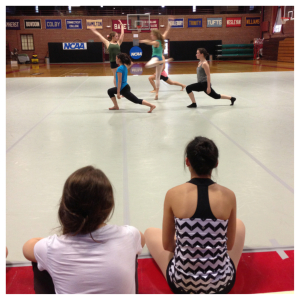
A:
{"x":185,"y":200}
{"x":201,"y":261}
{"x":77,"y":264}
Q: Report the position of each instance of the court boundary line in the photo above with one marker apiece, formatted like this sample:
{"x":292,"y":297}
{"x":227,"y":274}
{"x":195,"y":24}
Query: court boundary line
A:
{"x":249,"y":154}
{"x":13,"y":264}
{"x":39,"y":122}
{"x":126,"y":210}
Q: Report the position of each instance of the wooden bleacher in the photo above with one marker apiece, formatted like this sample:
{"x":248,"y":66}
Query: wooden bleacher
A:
{"x":286,"y":50}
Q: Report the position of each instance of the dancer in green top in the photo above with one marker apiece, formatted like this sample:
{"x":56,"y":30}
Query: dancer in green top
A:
{"x":112,"y":43}
{"x":158,"y":44}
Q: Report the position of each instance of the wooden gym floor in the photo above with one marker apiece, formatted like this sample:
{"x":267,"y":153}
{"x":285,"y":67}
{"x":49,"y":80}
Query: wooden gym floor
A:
{"x":103,"y":69}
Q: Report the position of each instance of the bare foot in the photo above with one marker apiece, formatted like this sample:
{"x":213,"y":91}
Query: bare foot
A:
{"x":152,"y":107}
{"x":183,"y":87}
{"x":114,"y":108}
{"x":156,"y":97}
{"x":153,"y":91}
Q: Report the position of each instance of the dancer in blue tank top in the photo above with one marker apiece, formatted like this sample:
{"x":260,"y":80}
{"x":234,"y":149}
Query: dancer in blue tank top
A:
{"x":123,"y":87}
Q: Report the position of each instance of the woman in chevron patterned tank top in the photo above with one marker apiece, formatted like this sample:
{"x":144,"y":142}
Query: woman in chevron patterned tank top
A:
{"x":209,"y":239}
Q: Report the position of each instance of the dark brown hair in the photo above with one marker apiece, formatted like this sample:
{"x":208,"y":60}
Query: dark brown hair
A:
{"x":203,"y":51}
{"x":124,"y":58}
{"x":86,"y":202}
{"x":202,"y":154}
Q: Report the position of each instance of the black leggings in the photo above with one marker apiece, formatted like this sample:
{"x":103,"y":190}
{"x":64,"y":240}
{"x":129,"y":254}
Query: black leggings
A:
{"x":125,"y":91}
{"x":202,"y":87}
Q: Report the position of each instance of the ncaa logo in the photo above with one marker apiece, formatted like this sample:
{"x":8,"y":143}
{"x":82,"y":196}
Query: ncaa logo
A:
{"x":136,"y":69}
{"x":136,"y":52}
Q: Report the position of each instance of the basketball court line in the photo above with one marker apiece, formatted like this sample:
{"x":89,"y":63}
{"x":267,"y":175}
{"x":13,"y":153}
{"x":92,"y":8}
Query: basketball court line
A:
{"x":249,"y":154}
{"x":45,"y":117}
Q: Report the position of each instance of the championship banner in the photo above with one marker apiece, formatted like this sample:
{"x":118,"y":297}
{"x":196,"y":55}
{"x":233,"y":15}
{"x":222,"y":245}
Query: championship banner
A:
{"x":153,"y":24}
{"x":233,"y":22}
{"x":74,"y":24}
{"x":13,"y":24}
{"x":253,"y":21}
{"x":53,"y":24}
{"x":176,"y":23}
{"x":97,"y":23}
{"x":117,"y":27}
{"x":194,"y":22}
{"x":32,"y":24}
{"x":214,"y":22}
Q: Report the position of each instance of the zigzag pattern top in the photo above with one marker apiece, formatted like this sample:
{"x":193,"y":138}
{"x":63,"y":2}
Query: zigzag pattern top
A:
{"x":201,"y":264}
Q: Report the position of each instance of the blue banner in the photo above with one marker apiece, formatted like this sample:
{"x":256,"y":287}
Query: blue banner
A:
{"x":74,"y":24}
{"x":214,"y":22}
{"x":13,"y":24}
{"x":176,"y":23}
{"x":194,"y":22}
{"x":253,"y":21}
{"x":53,"y":24}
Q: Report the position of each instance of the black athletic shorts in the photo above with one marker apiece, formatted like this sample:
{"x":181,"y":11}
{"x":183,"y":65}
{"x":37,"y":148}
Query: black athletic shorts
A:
{"x":164,"y":78}
{"x":113,"y":65}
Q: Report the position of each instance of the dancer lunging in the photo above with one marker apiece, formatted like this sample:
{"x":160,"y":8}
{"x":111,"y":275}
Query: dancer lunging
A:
{"x":204,"y":84}
{"x":123,"y":87}
{"x":113,"y":44}
{"x":165,"y":78}
{"x":158,"y":44}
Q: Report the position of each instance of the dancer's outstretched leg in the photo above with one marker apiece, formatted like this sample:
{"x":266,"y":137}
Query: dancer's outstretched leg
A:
{"x":169,"y":81}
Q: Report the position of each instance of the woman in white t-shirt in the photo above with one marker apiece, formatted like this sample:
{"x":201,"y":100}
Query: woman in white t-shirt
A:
{"x":90,"y":257}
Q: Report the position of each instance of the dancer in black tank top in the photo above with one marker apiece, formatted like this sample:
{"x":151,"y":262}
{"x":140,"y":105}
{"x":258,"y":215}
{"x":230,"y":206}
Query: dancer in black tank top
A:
{"x":203,"y":257}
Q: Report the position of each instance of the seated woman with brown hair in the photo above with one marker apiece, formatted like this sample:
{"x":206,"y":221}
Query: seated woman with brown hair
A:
{"x":91,"y":256}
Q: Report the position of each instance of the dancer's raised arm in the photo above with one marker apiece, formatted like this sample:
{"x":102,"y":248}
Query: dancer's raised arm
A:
{"x":120,"y":41}
{"x":168,"y":29}
{"x":102,"y":38}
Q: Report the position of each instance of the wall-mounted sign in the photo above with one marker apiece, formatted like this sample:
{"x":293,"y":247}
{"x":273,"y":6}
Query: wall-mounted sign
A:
{"x":136,"y":52}
{"x":97,"y":23}
{"x":253,"y":21}
{"x":13,"y":24}
{"x":233,"y":22}
{"x":177,"y":23}
{"x":74,"y":46}
{"x":32,"y":24}
{"x":53,"y":24}
{"x":74,"y":24}
{"x":116,"y":26}
{"x":194,"y":22}
{"x":214,"y":22}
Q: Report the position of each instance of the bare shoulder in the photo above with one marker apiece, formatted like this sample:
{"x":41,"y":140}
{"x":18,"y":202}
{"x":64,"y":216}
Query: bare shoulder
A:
{"x":205,"y":64}
{"x":223,"y":191}
{"x":177,"y":191}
